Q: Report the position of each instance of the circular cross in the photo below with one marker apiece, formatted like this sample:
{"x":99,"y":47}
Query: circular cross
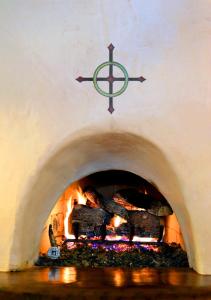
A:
{"x":108,"y":63}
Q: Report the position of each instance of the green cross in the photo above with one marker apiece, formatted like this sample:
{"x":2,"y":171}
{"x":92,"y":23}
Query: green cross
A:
{"x":110,"y":79}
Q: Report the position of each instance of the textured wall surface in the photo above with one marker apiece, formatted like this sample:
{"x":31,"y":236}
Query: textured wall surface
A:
{"x":54,"y":130}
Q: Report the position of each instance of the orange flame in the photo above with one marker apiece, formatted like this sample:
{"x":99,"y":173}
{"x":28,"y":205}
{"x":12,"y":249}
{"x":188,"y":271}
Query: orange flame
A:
{"x":66,"y":224}
{"x":113,"y":237}
{"x":144,"y":239}
{"x":118,"y":221}
{"x":81,"y":198}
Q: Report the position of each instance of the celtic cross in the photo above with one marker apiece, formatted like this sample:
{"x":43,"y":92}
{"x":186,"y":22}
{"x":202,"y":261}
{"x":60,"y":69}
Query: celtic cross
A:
{"x":110,"y":79}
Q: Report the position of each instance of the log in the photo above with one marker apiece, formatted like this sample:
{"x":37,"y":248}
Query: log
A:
{"x":160,"y":209}
{"x":143,"y":218}
{"x":109,"y":205}
{"x":128,"y":197}
{"x":87,"y":220}
{"x":144,"y":223}
{"x":141,"y":224}
{"x":132,"y":197}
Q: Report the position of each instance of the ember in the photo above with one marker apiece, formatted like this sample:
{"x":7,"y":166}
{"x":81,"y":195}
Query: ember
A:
{"x":95,"y":255}
{"x":119,"y":247}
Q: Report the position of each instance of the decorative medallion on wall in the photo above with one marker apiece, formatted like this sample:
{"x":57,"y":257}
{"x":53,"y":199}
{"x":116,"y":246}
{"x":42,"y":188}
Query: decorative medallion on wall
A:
{"x":110,"y":79}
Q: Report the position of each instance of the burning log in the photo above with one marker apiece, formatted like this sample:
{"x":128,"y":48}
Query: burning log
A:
{"x":109,"y":205}
{"x":87,"y":220}
{"x":131,"y":198}
{"x":143,"y":224}
{"x":160,"y":209}
{"x":91,"y":219}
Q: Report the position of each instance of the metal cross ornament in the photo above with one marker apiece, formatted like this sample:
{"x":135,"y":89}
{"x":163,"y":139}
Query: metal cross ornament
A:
{"x":110,"y":79}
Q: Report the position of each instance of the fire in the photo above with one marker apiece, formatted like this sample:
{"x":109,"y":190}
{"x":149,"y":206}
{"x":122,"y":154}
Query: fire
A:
{"x":66,"y":224}
{"x":118,"y":221}
{"x":81,"y":200}
{"x":114,"y":237}
{"x":147,"y":239}
{"x":144,"y":239}
{"x":80,"y":197}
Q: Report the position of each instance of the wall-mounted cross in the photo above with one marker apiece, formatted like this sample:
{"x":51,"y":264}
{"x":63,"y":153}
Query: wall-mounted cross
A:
{"x":110,"y":79}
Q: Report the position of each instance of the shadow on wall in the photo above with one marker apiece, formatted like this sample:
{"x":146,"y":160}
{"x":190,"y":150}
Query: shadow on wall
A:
{"x":77,"y":158}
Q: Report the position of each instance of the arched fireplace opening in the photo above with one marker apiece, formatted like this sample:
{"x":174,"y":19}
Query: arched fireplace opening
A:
{"x":115,"y":215}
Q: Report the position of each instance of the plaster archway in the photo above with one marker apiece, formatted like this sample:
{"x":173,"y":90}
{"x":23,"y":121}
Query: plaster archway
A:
{"x":79,"y":157}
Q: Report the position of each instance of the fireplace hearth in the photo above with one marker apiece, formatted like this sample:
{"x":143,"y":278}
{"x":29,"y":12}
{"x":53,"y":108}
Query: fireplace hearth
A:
{"x":112,"y":218}
{"x":118,"y":255}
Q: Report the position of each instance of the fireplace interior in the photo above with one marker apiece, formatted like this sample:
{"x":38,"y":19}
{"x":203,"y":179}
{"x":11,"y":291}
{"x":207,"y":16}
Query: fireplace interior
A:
{"x":112,"y":218}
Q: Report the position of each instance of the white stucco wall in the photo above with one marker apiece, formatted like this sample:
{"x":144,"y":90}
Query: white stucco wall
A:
{"x":54,"y":130}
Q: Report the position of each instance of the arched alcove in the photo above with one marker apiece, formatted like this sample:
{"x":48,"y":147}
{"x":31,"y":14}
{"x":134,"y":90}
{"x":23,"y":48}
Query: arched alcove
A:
{"x":127,"y":195}
{"x":79,"y":157}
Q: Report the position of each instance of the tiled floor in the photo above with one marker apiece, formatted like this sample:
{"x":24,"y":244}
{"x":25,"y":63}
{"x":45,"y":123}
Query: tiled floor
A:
{"x":104,"y":283}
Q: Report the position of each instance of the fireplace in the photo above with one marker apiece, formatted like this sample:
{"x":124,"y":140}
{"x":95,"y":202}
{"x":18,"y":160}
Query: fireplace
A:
{"x":116,"y":217}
